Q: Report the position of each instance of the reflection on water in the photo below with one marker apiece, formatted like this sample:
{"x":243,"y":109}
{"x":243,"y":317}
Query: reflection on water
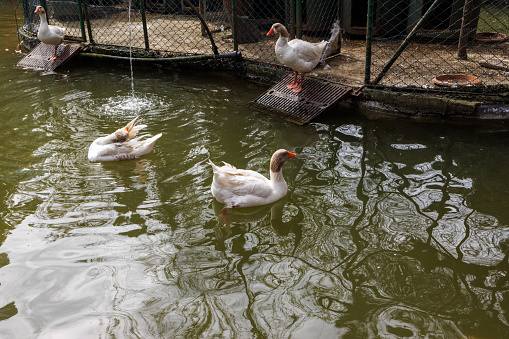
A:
{"x":378,"y":236}
{"x":271,"y":215}
{"x":390,"y":229}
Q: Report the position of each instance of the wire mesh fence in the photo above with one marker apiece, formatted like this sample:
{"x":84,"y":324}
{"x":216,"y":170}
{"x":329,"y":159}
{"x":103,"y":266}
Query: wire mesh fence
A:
{"x":441,"y":46}
{"x":174,"y":26}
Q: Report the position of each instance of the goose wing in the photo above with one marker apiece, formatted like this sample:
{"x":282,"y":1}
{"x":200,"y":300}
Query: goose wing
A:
{"x":241,"y":182}
{"x":117,"y":148}
{"x":60,"y":31}
{"x":306,"y":50}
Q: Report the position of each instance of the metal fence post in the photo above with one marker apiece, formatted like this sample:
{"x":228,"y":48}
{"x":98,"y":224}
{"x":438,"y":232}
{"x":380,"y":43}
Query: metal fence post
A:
{"x":144,"y":22}
{"x":298,"y":18}
{"x":87,"y":19}
{"x":292,"y":19}
{"x":234,"y":25}
{"x":82,"y":22}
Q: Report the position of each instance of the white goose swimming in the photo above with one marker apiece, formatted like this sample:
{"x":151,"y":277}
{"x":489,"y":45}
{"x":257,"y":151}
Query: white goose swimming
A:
{"x":245,"y":188}
{"x":301,"y":56}
{"x":50,"y":35}
{"x":119,"y":145}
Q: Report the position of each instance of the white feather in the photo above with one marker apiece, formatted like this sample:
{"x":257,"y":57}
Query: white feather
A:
{"x":245,"y":188}
{"x":110,"y":148}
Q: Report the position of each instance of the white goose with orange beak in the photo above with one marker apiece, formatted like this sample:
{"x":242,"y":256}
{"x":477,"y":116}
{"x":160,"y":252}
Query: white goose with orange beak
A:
{"x":245,"y":188}
{"x":301,"y":56}
{"x":50,"y":35}
{"x":120,"y":145}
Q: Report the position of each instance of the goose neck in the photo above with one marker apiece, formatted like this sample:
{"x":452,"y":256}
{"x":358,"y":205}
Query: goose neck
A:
{"x":282,"y":41}
{"x":43,"y":18}
{"x":276,"y":176}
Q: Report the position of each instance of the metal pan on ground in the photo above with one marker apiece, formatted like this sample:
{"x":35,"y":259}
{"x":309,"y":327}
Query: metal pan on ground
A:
{"x":490,"y":37}
{"x":456,"y":80}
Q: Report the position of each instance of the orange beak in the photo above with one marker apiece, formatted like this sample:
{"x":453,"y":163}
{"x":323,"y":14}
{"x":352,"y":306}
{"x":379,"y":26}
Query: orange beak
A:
{"x":37,"y":10}
{"x":291,"y":155}
{"x":271,"y":31}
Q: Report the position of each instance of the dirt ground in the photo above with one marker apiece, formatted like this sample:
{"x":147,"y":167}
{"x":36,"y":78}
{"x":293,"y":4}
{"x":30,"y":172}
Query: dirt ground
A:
{"x":420,"y":62}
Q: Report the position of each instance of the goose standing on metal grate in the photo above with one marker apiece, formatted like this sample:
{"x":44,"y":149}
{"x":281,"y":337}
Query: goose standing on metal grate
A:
{"x":301,"y":56}
{"x":50,"y":35}
{"x":119,"y":145}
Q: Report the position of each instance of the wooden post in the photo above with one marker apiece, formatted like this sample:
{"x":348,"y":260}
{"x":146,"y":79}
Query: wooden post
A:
{"x":369,"y":36}
{"x":465,"y":29}
{"x":202,"y":7}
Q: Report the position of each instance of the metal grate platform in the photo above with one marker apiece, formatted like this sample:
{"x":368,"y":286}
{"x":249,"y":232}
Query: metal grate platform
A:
{"x":317,"y":96}
{"x":39,"y":56}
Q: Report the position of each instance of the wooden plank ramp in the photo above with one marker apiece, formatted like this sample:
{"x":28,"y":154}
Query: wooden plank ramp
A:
{"x":39,"y":57}
{"x":316,"y":97}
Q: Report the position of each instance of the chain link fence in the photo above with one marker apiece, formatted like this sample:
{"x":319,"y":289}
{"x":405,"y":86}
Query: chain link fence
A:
{"x":168,"y":28}
{"x":439,"y":46}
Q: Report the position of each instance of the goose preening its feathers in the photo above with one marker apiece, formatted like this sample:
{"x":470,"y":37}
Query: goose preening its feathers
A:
{"x":50,"y":35}
{"x":245,"y":188}
{"x":120,"y":145}
{"x":301,"y":56}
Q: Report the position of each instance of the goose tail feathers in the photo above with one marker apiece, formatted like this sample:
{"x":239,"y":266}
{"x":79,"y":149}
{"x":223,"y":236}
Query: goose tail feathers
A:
{"x":333,"y":43}
{"x":147,"y":145}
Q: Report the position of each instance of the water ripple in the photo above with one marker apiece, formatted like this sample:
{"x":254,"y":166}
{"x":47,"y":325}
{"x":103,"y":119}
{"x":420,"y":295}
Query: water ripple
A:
{"x":381,"y":233}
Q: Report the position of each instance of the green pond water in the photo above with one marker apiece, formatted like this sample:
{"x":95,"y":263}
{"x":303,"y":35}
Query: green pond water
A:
{"x":390,"y":229}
